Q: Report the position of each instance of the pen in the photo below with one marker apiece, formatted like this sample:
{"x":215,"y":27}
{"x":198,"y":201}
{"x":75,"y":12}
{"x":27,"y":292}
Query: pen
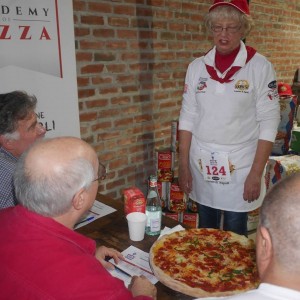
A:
{"x":88,"y":219}
{"x":122,"y":271}
{"x":126,"y":261}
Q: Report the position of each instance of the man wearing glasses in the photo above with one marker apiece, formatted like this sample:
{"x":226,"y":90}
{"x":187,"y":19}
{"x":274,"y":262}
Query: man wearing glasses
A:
{"x":41,"y":256}
{"x":19,"y":128}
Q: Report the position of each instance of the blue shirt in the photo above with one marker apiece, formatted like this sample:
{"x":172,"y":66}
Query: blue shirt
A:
{"x":7,"y":190}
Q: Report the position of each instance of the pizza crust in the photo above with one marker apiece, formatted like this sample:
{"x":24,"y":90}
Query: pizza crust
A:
{"x":179,"y":286}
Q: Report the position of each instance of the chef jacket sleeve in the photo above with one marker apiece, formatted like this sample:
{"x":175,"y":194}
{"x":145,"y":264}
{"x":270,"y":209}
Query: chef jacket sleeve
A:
{"x":188,"y":111}
{"x":267,"y":102}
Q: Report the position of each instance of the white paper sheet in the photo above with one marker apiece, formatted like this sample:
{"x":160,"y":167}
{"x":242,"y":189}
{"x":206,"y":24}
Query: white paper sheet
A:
{"x":97,"y":211}
{"x":136,"y":263}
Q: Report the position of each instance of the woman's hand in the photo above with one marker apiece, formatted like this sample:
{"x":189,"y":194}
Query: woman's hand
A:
{"x":252,"y":183}
{"x":185,"y":179}
{"x":252,"y":187}
{"x":103,"y":252}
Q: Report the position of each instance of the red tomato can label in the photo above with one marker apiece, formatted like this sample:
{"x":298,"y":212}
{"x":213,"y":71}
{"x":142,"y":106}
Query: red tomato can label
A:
{"x":165,"y":160}
{"x":192,"y":206}
{"x":174,"y":216}
{"x":163,"y":193}
{"x":190,"y":219}
{"x":177,"y":198}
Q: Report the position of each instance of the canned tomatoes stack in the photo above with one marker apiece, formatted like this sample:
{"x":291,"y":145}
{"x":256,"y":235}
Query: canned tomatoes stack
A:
{"x":175,"y":203}
{"x":165,"y":160}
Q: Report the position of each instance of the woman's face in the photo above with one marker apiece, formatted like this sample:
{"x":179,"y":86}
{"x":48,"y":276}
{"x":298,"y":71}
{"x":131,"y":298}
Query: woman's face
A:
{"x":226,"y":35}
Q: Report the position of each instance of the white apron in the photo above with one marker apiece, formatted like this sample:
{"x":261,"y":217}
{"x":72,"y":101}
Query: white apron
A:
{"x":227,"y":195}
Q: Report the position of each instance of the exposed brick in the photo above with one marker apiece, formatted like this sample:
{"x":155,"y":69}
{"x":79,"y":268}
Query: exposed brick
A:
{"x":104,"y":57}
{"x":144,"y":11}
{"x":108,"y":135}
{"x":100,"y":7}
{"x":123,"y":122}
{"x":82,"y":81}
{"x":101,"y":126}
{"x":84,"y":56}
{"x":119,"y":163}
{"x":129,"y":34}
{"x":79,"y":5}
{"x":116,"y":68}
{"x":92,"y":20}
{"x":108,"y":90}
{"x":125,"y":79}
{"x":86,"y":93}
{"x":96,"y":103}
{"x":88,"y":116}
{"x":118,"y":21}
{"x":101,"y":80}
{"x":104,"y":33}
{"x":96,"y":68}
{"x":114,"y":45}
{"x":132,"y":57}
{"x":117,"y":182}
{"x":121,"y":100}
{"x":124,"y":10}
{"x":129,"y":88}
{"x":84,"y":45}
{"x":80,"y":32}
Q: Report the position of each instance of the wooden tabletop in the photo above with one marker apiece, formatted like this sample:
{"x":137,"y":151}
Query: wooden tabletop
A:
{"x":112,"y":231}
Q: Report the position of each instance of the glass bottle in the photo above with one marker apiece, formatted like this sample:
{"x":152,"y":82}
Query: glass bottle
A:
{"x":153,"y":208}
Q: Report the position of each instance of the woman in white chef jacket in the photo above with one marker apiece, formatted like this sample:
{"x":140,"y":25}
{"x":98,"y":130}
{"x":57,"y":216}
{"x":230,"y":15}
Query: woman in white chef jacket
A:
{"x":228,"y":122}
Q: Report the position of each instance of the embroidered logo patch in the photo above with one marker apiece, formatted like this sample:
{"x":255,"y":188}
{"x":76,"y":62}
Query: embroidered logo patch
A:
{"x":201,"y":86}
{"x":273,"y":92}
{"x":242,"y":86}
{"x":272,"y":85}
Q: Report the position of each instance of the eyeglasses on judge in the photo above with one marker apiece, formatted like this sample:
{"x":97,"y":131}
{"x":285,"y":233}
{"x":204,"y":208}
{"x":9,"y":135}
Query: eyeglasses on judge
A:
{"x":230,"y":29}
{"x":101,"y":173}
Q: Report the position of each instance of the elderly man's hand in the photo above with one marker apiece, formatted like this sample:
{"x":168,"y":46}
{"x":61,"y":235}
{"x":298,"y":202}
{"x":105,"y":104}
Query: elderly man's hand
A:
{"x":103,"y":252}
{"x":141,"y":286}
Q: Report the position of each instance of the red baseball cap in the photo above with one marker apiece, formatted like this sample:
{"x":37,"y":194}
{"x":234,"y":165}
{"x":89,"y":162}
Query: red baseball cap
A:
{"x":241,"y":5}
{"x":284,"y":89}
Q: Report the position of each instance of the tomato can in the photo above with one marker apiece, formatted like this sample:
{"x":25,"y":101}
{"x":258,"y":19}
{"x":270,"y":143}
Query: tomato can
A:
{"x":165,"y":160}
{"x":192,"y":205}
{"x":177,"y":198}
{"x":174,"y":216}
{"x":163,"y":193}
{"x":190,"y":219}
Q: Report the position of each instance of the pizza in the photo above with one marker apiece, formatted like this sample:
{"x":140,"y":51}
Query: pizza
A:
{"x":205,"y":262}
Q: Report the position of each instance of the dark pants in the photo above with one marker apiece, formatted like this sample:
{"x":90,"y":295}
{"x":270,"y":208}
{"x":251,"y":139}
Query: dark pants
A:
{"x":233,"y":221}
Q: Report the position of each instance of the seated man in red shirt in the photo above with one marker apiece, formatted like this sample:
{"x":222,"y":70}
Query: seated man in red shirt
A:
{"x":41,"y":257}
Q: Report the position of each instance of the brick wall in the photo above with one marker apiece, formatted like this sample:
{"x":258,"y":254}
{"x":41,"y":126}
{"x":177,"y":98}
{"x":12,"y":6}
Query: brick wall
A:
{"x":131,"y":61}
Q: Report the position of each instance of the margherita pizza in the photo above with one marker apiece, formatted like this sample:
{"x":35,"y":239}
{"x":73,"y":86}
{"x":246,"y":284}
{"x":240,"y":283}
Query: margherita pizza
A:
{"x":205,"y":262}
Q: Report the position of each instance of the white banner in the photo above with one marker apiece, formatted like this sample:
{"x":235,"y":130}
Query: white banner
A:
{"x":38,"y":56}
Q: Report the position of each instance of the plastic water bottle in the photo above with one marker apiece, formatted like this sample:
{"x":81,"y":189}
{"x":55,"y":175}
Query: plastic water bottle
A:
{"x":153,"y":208}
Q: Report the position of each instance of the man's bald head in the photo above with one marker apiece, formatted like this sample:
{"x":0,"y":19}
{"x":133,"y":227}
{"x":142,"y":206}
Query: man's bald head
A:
{"x":53,"y":155}
{"x":50,"y":173}
{"x":280,"y":215}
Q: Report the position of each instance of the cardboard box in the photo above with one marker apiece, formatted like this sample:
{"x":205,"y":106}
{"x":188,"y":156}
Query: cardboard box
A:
{"x":279,"y":167}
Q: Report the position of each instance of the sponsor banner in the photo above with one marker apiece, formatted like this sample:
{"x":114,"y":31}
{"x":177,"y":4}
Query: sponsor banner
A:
{"x":38,"y":56}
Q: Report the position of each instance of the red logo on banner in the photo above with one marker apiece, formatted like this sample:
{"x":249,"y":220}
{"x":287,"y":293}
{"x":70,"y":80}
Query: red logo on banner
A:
{"x":29,"y":36}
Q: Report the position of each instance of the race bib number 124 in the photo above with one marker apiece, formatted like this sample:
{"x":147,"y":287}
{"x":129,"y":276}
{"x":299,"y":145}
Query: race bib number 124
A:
{"x":215,"y":166}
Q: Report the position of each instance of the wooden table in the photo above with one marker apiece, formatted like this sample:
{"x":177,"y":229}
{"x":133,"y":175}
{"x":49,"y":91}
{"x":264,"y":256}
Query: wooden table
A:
{"x":112,"y":231}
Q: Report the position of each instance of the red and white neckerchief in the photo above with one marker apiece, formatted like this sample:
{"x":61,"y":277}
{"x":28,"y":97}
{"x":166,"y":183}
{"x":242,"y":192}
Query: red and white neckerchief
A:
{"x":213,"y":73}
